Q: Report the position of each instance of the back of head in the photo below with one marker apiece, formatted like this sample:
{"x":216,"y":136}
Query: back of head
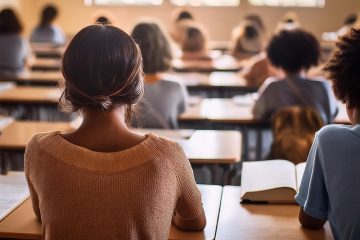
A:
{"x":343,"y":69}
{"x":247,"y":39}
{"x":102,"y":67}
{"x":103,"y":20}
{"x":293,"y":50}
{"x":184,"y":15}
{"x":48,"y":15}
{"x":351,"y":19}
{"x":9,"y":22}
{"x":256,"y":20}
{"x":194,"y":40}
{"x":155,"y":48}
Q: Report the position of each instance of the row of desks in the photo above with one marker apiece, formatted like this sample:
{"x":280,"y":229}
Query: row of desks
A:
{"x":216,"y":84}
{"x":219,"y":150}
{"x":232,"y":110}
{"x":227,"y":219}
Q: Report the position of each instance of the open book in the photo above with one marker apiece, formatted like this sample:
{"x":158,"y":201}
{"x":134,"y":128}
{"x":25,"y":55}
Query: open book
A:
{"x":275,"y":181}
{"x":13,"y":191}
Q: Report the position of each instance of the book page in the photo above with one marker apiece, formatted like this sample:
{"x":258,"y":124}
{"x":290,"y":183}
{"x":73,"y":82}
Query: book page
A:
{"x":13,"y":191}
{"x":264,"y":175}
{"x":300,"y":168}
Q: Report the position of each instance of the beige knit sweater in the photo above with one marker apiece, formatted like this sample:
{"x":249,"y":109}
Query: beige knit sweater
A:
{"x":131,"y":194}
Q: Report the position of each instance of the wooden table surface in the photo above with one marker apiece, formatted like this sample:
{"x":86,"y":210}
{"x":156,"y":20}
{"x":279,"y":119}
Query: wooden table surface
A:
{"x":218,"y":110}
{"x":46,"y":64}
{"x":225,"y":63}
{"x":35,"y":77}
{"x":228,"y":110}
{"x":201,"y":146}
{"x":214,"y":79}
{"x":23,"y":94}
{"x":22,"y":223}
{"x":255,"y":221}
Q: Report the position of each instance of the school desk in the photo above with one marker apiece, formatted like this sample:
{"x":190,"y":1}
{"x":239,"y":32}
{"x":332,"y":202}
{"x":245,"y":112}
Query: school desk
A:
{"x":224,"y":63}
{"x":261,"y":221}
{"x":47,"y":50}
{"x":35,"y":78}
{"x":232,"y":113}
{"x":36,"y":103}
{"x":22,"y":223}
{"x":45,"y":64}
{"x":214,"y":84}
{"x":202,"y":147}
{"x":235,"y":110}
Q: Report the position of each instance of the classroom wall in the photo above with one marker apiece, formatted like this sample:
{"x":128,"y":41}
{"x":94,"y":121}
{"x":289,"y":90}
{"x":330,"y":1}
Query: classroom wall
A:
{"x":220,"y":20}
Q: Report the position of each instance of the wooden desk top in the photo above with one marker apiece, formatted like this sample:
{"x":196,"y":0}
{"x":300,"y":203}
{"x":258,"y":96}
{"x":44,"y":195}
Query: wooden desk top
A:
{"x":219,"y":110}
{"x":18,"y":133}
{"x":22,"y":95}
{"x":22,"y":223}
{"x":212,"y":80}
{"x":228,"y":110}
{"x":225,"y":63}
{"x":36,"y":77}
{"x":254,"y":221}
{"x":202,"y":147}
{"x":46,"y":64}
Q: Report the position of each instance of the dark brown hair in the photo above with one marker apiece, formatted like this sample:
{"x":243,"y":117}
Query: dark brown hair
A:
{"x":9,"y":22}
{"x":102,"y":67}
{"x":344,"y":71}
{"x":155,"y":48}
{"x":293,"y":50}
{"x":194,"y":40}
{"x":48,"y":15}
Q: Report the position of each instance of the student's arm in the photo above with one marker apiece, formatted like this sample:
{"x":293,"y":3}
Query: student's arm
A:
{"x":34,"y":198}
{"x":183,"y":98}
{"x":189,"y":213}
{"x":312,"y":196}
{"x":308,"y":221}
{"x":29,"y":158}
{"x":262,"y":105}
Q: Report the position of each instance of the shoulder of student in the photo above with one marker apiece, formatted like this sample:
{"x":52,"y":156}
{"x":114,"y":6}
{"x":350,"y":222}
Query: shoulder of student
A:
{"x":333,"y":133}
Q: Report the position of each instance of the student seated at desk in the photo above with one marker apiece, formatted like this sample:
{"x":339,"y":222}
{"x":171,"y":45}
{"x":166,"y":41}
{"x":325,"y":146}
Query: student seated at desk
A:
{"x":46,"y":31}
{"x":247,"y":40}
{"x":294,"y":52}
{"x":163,"y":100}
{"x":194,"y":44}
{"x":13,"y":48}
{"x":104,"y":181}
{"x":330,"y":185}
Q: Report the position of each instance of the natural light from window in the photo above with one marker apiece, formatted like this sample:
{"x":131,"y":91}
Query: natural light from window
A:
{"x":123,"y":2}
{"x":289,"y":3}
{"x":206,"y":2}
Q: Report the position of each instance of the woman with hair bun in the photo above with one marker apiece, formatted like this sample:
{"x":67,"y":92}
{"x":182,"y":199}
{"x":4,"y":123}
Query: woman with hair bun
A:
{"x":104,"y":181}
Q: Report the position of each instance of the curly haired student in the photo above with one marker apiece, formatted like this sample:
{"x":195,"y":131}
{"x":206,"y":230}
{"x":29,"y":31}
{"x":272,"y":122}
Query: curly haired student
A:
{"x":104,"y":181}
{"x":330,"y":186}
{"x":294,"y":52}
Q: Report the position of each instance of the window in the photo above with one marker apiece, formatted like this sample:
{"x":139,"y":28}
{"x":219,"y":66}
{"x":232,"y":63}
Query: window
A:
{"x":206,"y":2}
{"x":122,"y":2}
{"x":289,"y":3}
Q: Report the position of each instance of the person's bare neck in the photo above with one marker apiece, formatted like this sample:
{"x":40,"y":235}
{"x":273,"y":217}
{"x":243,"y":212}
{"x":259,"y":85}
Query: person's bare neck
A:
{"x":104,"y":131}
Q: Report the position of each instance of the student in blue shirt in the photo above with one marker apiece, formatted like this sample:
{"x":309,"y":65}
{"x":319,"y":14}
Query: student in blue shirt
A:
{"x":330,"y":188}
{"x":46,"y":31}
